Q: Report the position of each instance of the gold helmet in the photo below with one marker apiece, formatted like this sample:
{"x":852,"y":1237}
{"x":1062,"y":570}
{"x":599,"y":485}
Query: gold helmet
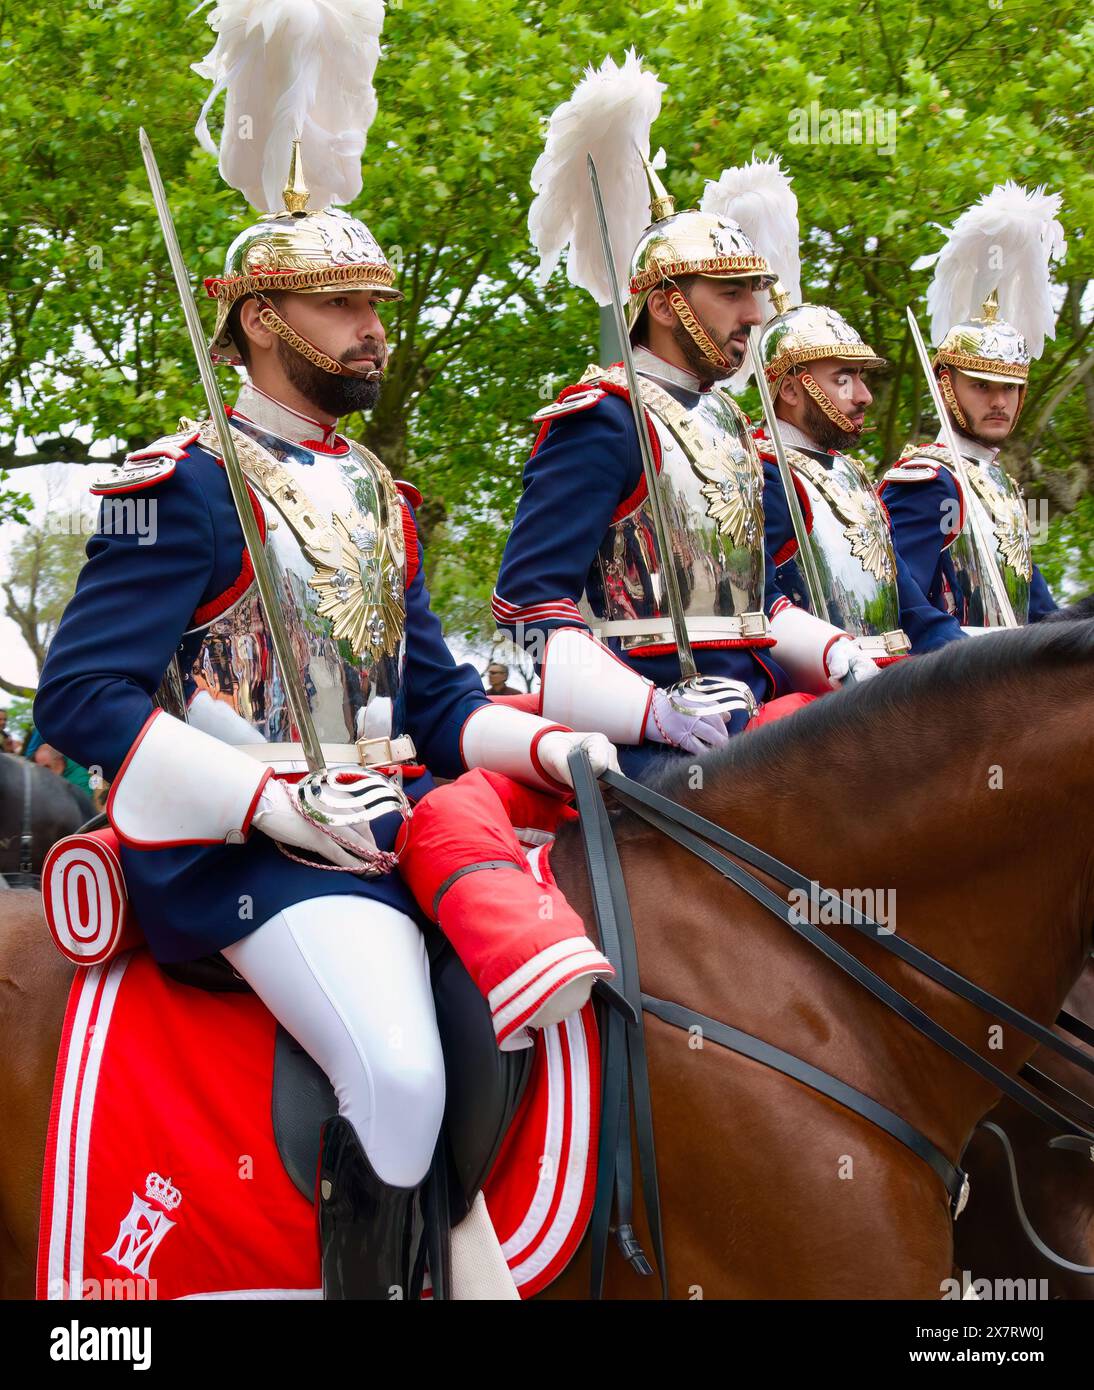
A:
{"x":996,"y":256}
{"x":688,"y":243}
{"x":300,"y":79}
{"x":305,"y":252}
{"x":811,"y":333}
{"x":986,"y":347}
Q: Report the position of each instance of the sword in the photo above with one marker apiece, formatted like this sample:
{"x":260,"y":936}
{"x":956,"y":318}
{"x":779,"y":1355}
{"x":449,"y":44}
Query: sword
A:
{"x":985,"y":546}
{"x":323,"y":799}
{"x":807,"y":561}
{"x":695,"y":694}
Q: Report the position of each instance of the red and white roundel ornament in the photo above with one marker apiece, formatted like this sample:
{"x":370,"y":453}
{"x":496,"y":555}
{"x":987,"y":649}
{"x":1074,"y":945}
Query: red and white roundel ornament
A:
{"x":83,"y":893}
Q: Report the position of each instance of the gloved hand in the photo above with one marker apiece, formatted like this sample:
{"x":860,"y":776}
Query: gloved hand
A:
{"x":277,"y":817}
{"x":555,"y":748}
{"x":693,"y":733}
{"x":843,"y":657}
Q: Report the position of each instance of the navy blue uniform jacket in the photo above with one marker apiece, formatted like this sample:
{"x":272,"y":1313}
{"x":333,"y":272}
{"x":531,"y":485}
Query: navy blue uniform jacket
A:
{"x":132,"y":604}
{"x":923,"y":515}
{"x":585,"y":467}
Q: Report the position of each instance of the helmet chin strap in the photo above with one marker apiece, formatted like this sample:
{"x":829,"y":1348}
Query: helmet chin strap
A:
{"x":816,"y":392}
{"x":695,"y":330}
{"x":271,"y":319}
{"x":949,"y":395}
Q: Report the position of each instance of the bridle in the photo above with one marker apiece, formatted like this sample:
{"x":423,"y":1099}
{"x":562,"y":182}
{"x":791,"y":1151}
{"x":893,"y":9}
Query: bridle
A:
{"x":624,"y":1067}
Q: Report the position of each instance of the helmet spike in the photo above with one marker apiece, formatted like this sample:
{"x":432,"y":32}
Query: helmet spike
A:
{"x":662,"y":203}
{"x":295,"y":192}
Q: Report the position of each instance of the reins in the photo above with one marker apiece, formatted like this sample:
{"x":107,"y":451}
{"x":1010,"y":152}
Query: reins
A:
{"x":624,"y":1055}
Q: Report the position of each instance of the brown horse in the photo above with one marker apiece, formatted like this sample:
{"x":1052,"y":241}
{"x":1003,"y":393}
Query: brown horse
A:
{"x":963,"y":784}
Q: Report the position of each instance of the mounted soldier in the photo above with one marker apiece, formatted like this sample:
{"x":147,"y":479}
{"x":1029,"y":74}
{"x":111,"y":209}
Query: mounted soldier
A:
{"x":961,"y":524}
{"x":586,"y":559}
{"x":816,"y":365}
{"x":277,"y":690}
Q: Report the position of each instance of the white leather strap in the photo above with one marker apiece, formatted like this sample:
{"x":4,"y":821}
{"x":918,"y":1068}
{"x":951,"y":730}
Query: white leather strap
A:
{"x":586,"y":686}
{"x":180,"y":786}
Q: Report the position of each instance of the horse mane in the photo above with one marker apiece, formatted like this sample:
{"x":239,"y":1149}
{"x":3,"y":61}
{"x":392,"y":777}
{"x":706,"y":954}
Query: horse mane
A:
{"x":914,"y":692}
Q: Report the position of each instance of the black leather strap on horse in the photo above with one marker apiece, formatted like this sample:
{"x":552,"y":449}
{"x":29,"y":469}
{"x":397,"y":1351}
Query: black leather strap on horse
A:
{"x":26,"y":837}
{"x":839,"y":1091}
{"x":624,"y":1049}
{"x":641,"y":800}
{"x":1031,"y":1235}
{"x":636,"y":798}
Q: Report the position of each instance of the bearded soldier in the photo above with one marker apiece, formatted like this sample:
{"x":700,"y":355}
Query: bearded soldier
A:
{"x":816,"y":365}
{"x":219,"y":851}
{"x":990,"y":312}
{"x":583,"y":560}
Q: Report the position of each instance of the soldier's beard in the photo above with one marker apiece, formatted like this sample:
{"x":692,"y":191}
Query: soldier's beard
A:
{"x":824,"y":432}
{"x":699,"y":363}
{"x":330,"y":394}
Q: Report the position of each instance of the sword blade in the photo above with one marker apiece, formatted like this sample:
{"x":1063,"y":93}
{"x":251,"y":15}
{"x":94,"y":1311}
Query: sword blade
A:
{"x":807,"y":560}
{"x":667,"y":571}
{"x":290,"y":673}
{"x":985,"y":544}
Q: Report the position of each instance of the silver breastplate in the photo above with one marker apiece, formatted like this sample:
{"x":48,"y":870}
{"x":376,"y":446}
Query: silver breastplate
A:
{"x":1001,"y":507}
{"x":852,"y":545}
{"x":711,"y":484}
{"x":334,"y":542}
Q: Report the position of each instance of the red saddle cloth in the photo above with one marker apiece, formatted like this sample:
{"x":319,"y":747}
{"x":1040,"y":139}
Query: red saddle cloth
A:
{"x":162,"y":1177}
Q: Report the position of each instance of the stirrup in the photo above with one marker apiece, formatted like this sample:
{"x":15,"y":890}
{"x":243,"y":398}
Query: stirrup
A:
{"x":369,"y":1231}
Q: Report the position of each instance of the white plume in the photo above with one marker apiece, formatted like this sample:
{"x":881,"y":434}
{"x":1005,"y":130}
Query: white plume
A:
{"x":1004,"y":242}
{"x":758,"y":197}
{"x":292,"y":69}
{"x":609,"y":117}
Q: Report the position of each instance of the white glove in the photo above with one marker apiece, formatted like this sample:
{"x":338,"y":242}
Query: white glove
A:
{"x":555,"y":748}
{"x":977,"y":631}
{"x":693,"y":733}
{"x":277,"y":817}
{"x":844,"y":656}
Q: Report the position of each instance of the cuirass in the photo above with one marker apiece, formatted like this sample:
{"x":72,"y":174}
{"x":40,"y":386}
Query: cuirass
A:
{"x":336,"y":550}
{"x":1003,"y":514}
{"x":1001,"y":507}
{"x":711,"y":483}
{"x":850,"y":542}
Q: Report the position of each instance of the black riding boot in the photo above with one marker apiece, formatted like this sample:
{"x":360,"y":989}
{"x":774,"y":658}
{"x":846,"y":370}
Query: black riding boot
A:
{"x":369,"y":1231}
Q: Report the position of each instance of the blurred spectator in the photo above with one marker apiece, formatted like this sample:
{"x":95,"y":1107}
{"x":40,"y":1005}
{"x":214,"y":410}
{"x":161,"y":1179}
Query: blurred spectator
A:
{"x":497,"y":678}
{"x":6,"y":745}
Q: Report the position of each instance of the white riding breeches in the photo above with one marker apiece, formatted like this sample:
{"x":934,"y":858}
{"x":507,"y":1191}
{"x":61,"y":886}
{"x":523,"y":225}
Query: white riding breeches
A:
{"x":348,"y":977}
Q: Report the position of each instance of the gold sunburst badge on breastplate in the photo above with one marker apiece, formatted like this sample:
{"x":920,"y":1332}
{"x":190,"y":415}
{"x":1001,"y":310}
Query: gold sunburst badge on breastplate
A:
{"x":363,"y":595}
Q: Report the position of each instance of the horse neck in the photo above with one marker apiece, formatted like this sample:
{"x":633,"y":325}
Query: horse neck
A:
{"x":980,"y":831}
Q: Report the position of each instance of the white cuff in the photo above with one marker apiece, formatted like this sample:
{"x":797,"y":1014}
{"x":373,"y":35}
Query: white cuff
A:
{"x":587,"y":687}
{"x":179,"y":786}
{"x":218,"y":719}
{"x":802,"y":643}
{"x":503,"y":739}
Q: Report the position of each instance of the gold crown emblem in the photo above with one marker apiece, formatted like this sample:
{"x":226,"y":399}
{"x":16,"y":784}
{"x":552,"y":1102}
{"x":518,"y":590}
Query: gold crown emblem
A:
{"x":162,"y":1190}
